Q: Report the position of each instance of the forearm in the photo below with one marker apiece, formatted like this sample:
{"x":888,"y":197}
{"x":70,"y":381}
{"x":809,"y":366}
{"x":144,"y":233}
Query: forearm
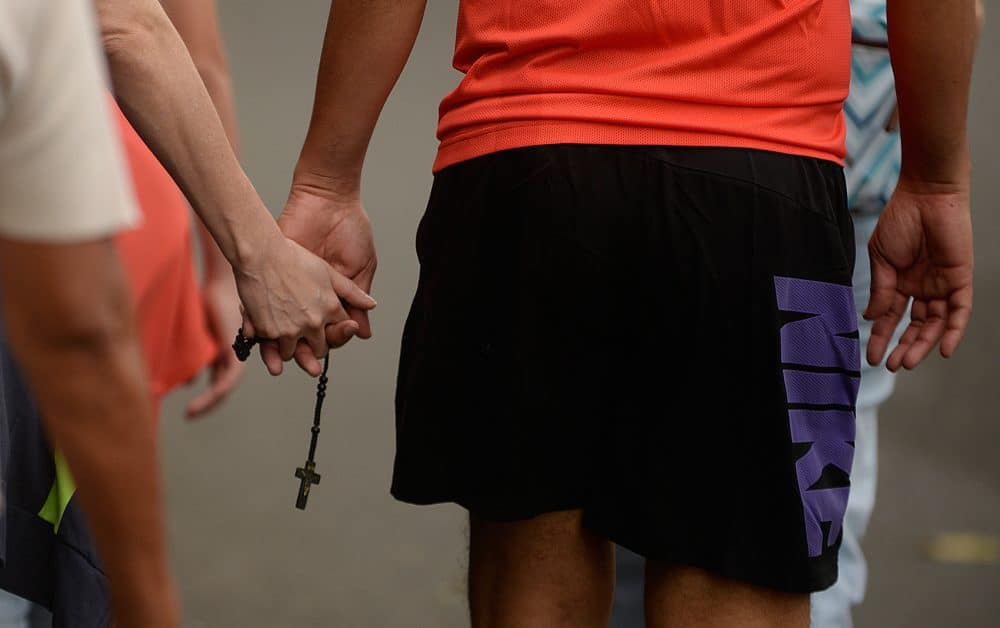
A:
{"x":365,"y":49}
{"x":69,"y":323}
{"x":931,"y":43}
{"x":215,"y":75}
{"x":161,"y":93}
{"x":197,"y":23}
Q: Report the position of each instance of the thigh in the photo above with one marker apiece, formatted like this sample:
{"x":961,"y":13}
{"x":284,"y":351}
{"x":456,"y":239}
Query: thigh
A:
{"x":545,"y":572}
{"x":688,"y":597}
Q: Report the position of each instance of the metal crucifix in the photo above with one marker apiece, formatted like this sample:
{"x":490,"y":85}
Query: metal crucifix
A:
{"x":306,"y":474}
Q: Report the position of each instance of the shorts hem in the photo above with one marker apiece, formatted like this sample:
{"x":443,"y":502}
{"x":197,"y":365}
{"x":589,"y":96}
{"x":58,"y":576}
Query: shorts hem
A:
{"x":669,"y":553}
{"x":510,"y":513}
{"x":500,"y":512}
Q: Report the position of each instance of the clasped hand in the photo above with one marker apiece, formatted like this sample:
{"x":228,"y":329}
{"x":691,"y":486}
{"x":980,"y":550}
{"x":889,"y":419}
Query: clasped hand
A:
{"x":307,"y":290}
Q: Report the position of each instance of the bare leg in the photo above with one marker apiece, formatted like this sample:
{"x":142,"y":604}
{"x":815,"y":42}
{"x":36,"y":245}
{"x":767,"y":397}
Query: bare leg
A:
{"x":545,"y":572}
{"x":687,"y":597}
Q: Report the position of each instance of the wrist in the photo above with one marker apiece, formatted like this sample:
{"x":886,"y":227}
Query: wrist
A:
{"x":342,"y":185}
{"x":938,"y":183}
{"x":252,"y":241}
{"x":937,"y":170}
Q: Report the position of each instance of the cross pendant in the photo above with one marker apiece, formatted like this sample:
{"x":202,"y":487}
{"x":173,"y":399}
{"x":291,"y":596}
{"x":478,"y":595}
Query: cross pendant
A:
{"x":308,"y":477}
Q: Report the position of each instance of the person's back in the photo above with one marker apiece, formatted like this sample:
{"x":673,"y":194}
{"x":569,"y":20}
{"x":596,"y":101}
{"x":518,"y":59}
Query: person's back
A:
{"x":770,"y":75}
{"x":634,"y":321}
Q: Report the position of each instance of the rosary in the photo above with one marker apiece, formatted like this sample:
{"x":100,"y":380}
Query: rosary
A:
{"x":307,"y":475}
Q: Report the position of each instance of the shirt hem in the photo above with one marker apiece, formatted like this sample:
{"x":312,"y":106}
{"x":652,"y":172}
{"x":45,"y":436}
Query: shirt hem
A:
{"x":522,"y":135}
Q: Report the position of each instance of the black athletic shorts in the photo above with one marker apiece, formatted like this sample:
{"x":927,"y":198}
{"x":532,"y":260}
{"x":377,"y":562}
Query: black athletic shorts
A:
{"x":662,"y":337}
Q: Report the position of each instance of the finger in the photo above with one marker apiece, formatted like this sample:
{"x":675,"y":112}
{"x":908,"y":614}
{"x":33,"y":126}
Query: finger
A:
{"x":350,"y":293}
{"x":908,"y":337}
{"x":286,"y":347}
{"x":918,"y":316}
{"x":272,"y":357}
{"x":338,"y":334}
{"x":248,"y":329}
{"x":959,"y":313}
{"x":202,"y":402}
{"x":315,"y":339}
{"x":361,"y":318}
{"x":883,"y":287}
{"x":883,"y":306}
{"x":225,"y":375}
{"x":883,"y":328}
{"x":305,"y":357}
{"x":930,"y":334}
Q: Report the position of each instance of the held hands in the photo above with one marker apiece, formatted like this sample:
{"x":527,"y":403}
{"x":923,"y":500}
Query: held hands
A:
{"x":295,"y":298}
{"x":921,"y":249}
{"x":335,"y":227}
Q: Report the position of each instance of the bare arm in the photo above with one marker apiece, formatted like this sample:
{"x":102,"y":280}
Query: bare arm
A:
{"x":932,"y":44}
{"x":288,"y":294}
{"x":163,"y":97}
{"x":921,"y":251}
{"x":365,"y":49}
{"x":197,"y":23}
{"x":69,"y":322}
{"x":366,"y":46}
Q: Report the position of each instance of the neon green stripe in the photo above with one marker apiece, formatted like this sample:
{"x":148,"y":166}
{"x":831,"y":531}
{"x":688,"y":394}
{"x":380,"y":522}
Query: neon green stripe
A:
{"x":62,"y":491}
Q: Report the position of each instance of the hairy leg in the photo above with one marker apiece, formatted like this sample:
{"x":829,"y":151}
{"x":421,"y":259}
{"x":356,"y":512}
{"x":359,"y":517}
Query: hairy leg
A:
{"x":688,"y":597}
{"x":545,"y":572}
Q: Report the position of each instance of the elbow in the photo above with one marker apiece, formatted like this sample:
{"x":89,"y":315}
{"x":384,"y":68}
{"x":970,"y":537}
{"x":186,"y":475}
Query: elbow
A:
{"x":129,"y":29}
{"x":65,"y":304}
{"x":94,"y":329}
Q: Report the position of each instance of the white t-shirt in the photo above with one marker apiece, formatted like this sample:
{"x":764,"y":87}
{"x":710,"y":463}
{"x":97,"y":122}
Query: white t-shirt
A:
{"x":62,"y":173}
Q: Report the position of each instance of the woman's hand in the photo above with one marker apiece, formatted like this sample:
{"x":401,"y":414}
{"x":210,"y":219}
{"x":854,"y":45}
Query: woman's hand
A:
{"x":222,"y":310}
{"x":290,"y":294}
{"x":335,"y":227}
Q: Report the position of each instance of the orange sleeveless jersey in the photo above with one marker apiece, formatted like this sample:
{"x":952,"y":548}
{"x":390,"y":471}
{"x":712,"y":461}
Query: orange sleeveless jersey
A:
{"x":157,"y":257}
{"x":765,"y":74}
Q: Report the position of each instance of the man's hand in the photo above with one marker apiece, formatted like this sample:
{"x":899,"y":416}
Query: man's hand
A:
{"x":290,"y":294}
{"x":336,"y":228}
{"x":921,"y":249}
{"x":324,"y":212}
{"x":222,"y":308}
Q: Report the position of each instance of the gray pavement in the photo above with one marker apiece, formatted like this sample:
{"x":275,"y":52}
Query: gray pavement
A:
{"x":246,"y":558}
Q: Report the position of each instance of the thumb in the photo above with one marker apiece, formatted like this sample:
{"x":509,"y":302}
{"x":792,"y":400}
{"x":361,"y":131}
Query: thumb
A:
{"x":886,"y":306}
{"x":883,"y":287}
{"x":361,"y":318}
{"x":350,"y":293}
{"x":248,"y":329}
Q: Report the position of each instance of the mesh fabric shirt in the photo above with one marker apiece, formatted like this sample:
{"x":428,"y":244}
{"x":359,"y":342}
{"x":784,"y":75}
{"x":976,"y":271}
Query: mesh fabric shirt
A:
{"x":764,"y":74}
